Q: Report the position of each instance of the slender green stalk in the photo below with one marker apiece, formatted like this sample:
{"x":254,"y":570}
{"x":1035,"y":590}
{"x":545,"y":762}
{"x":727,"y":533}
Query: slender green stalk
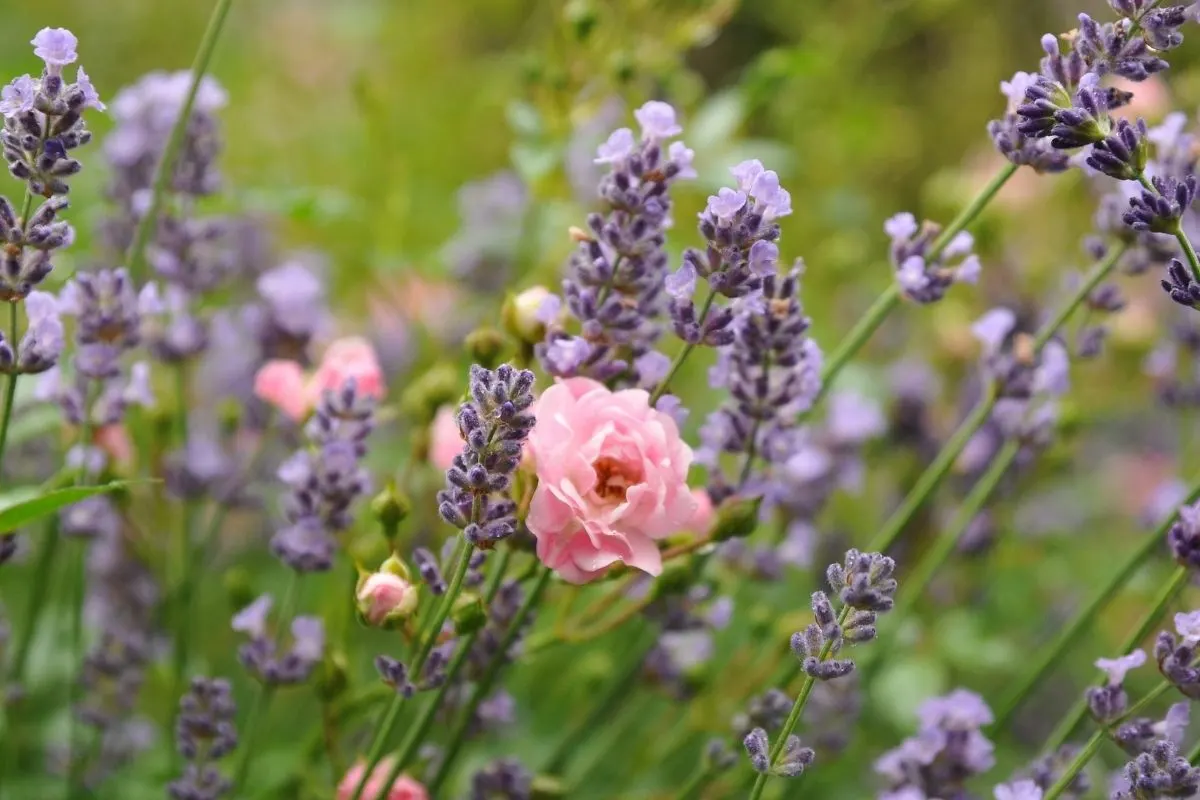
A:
{"x":1093,"y":744}
{"x":10,"y":393}
{"x":1051,"y":656}
{"x":136,"y":257}
{"x":858,"y":336}
{"x":933,"y":474}
{"x":420,"y":727}
{"x":384,"y":729}
{"x":794,"y":717}
{"x":919,"y":579}
{"x":266,"y":692}
{"x":568,"y":745}
{"x":78,"y":573}
{"x":688,"y":347}
{"x":1173,"y":587}
{"x":37,"y":599}
{"x":695,"y":785}
{"x":1194,"y":755}
{"x":890,"y":298}
{"x":484,"y":685}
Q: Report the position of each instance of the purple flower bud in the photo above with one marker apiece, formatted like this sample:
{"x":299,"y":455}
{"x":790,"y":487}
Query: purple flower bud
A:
{"x":55,"y":46}
{"x":617,"y":148}
{"x":657,"y":120}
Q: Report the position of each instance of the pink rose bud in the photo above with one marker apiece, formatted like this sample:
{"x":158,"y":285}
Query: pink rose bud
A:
{"x":387,"y":596}
{"x":352,"y":357}
{"x":115,"y":442}
{"x":705,"y":514}
{"x":612,"y":480}
{"x":281,"y":383}
{"x":404,"y":787}
{"x":445,"y":442}
{"x":526,"y":314}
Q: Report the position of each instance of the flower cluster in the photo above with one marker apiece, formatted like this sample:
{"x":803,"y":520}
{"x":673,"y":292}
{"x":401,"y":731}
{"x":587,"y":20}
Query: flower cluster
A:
{"x":261,"y":655}
{"x":615,"y":283}
{"x":1159,"y":772}
{"x":1108,"y":702}
{"x":326,"y":480}
{"x":494,"y":425}
{"x":925,"y":267}
{"x":1177,"y":657}
{"x":948,"y":750}
{"x":204,"y":733}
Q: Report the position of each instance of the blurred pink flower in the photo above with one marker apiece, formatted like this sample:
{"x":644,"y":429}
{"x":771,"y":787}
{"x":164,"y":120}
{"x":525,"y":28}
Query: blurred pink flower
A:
{"x":612,"y":479}
{"x":404,"y":787}
{"x":115,"y":442}
{"x":445,"y":442}
{"x":352,"y":357}
{"x":281,"y":383}
{"x":1151,"y":98}
{"x":705,"y":514}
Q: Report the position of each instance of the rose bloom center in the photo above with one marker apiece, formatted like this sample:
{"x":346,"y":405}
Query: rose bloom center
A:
{"x":613,"y":478}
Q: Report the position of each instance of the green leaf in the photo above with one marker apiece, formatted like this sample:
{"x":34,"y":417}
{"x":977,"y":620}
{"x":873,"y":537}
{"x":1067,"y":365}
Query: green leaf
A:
{"x":24,"y":505}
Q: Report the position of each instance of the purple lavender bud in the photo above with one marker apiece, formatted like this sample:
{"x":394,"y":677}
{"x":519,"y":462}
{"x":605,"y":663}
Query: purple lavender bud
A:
{"x":1180,"y":285}
{"x":757,"y":746}
{"x":204,"y":732}
{"x":394,"y":674}
{"x":794,"y":758}
{"x":1184,"y":537}
{"x":1122,"y":154}
{"x":1161,"y":772}
{"x":428,"y":569}
{"x":864,"y":582}
{"x":1160,"y":210}
{"x":502,"y":779}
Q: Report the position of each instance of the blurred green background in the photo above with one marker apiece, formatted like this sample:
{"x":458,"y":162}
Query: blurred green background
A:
{"x":352,"y":125}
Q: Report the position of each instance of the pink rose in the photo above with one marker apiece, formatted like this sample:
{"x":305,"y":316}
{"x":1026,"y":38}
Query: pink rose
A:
{"x":114,"y":440}
{"x":281,"y":383}
{"x":612,"y":479}
{"x":384,"y":596}
{"x":702,"y":520}
{"x":404,"y":787}
{"x":352,"y":357}
{"x":445,"y":442}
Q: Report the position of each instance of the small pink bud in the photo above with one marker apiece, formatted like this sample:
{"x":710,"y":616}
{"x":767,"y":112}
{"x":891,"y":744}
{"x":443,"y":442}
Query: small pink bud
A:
{"x":385,"y":597}
{"x":705,"y":514}
{"x":281,"y":383}
{"x":403,"y":788}
{"x":445,"y":442}
{"x":352,"y":357}
{"x":114,"y":440}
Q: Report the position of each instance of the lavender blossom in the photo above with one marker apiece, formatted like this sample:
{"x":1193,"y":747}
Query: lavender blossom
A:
{"x":925,"y":276}
{"x":1045,"y":772}
{"x":494,"y":424}
{"x":1139,"y":735}
{"x":204,"y":733}
{"x":484,"y":250}
{"x":502,"y":779}
{"x":947,"y":751}
{"x":615,"y":279}
{"x":261,"y":655}
{"x":1014,"y":145}
{"x":1108,"y":702}
{"x":1159,"y":773}
{"x":325,"y":481}
{"x":1183,"y":537}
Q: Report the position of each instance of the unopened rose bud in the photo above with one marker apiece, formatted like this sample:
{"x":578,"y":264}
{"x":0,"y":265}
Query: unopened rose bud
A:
{"x":524,"y":314}
{"x":486,"y":346}
{"x":437,"y":387}
{"x":387,"y":597}
{"x":736,"y":518}
{"x":390,"y":508}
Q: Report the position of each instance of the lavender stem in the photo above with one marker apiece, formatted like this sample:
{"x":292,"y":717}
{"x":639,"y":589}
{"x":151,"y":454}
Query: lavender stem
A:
{"x":688,"y":347}
{"x":890,"y":298}
{"x":10,"y":394}
{"x":484,"y":686}
{"x":384,"y":729}
{"x":136,"y":257}
{"x":1173,"y":587}
{"x":793,"y":718}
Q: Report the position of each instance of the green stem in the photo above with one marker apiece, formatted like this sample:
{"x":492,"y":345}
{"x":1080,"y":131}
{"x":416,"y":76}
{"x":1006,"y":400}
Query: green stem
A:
{"x":794,"y":717}
{"x":1151,"y":618}
{"x":1151,"y":545}
{"x":266,"y":692}
{"x":933,"y":474}
{"x":922,"y":575}
{"x":696,"y":784}
{"x":890,"y":298}
{"x":421,"y":726}
{"x":484,"y":686}
{"x":10,"y":394}
{"x":1093,"y":744}
{"x":688,"y":347}
{"x":37,"y":598}
{"x":384,"y":730}
{"x":854,"y":341}
{"x":136,"y":257}
{"x":618,"y":690}
{"x":78,"y":574}
{"x":1194,"y":755}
